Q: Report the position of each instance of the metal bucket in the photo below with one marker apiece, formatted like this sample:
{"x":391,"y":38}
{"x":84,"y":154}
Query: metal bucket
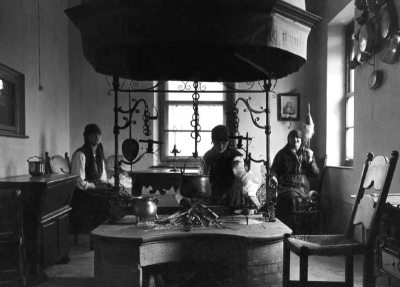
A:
{"x":36,"y":168}
{"x":195,"y":185}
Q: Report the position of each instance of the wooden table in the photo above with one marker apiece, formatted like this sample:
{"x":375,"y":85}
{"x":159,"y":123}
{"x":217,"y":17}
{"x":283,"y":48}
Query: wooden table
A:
{"x":123,"y":250}
{"x":45,"y":207}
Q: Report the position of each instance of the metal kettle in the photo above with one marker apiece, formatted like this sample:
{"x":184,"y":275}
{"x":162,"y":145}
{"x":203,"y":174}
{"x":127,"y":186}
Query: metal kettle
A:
{"x":144,"y":206}
{"x":195,"y":185}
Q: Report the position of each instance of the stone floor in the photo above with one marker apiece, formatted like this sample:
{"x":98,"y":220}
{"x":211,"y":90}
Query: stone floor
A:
{"x":79,"y":272}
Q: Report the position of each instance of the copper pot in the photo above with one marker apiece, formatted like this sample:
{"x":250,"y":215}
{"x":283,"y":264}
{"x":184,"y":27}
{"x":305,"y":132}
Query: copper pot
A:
{"x":195,"y":185}
{"x":36,"y":167}
{"x":144,"y":206}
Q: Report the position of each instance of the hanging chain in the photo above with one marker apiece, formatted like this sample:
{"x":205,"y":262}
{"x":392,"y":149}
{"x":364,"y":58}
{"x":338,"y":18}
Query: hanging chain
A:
{"x":195,"y":118}
{"x":146,"y":121}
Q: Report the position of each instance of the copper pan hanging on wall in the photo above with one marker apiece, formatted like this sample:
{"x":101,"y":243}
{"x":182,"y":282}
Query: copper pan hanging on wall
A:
{"x":367,"y":38}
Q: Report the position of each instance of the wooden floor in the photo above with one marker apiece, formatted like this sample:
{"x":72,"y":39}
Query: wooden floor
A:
{"x":79,"y":272}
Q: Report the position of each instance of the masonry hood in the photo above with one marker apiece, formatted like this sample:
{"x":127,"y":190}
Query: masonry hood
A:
{"x":193,"y":40}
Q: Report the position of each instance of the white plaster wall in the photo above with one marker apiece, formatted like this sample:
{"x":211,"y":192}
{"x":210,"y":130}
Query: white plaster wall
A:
{"x":47,"y":116}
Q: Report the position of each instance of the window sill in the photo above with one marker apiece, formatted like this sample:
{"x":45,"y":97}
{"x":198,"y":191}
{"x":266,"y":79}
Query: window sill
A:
{"x":339,"y":167}
{"x":14,"y":136}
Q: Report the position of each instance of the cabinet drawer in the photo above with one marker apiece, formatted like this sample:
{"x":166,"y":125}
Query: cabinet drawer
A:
{"x":390,"y":263}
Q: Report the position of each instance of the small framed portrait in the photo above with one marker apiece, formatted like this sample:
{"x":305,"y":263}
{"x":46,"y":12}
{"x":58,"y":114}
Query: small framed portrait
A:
{"x":289,"y":107}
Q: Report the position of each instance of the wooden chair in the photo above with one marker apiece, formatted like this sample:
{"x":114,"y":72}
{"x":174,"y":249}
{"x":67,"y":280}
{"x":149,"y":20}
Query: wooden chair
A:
{"x":309,"y":216}
{"x":57,"y":164}
{"x":367,"y":210}
{"x":13,"y":266}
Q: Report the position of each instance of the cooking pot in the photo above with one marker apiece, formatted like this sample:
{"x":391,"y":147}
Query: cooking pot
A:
{"x":36,"y":167}
{"x":144,"y":206}
{"x":195,"y":185}
{"x":367,"y":37}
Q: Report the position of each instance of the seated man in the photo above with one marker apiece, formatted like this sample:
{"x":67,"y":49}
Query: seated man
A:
{"x":291,"y":168}
{"x":230,"y":183}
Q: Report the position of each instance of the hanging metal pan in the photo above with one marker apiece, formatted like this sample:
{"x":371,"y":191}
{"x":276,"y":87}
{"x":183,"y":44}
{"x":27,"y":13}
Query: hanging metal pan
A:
{"x":130,"y":149}
{"x":367,"y":37}
{"x":374,"y":79}
{"x":390,"y":53}
{"x":362,"y":57}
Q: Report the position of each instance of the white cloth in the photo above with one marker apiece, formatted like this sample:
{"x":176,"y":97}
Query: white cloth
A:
{"x":78,"y":168}
{"x":248,"y":180}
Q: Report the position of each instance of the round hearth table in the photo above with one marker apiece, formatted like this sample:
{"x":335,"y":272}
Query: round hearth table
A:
{"x":254,"y":247}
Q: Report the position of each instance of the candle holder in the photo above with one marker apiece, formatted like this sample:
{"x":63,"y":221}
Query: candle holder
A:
{"x":175,"y":151}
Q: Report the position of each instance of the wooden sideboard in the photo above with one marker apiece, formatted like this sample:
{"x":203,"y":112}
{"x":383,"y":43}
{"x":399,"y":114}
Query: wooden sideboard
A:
{"x":389,"y":240}
{"x":46,"y":207}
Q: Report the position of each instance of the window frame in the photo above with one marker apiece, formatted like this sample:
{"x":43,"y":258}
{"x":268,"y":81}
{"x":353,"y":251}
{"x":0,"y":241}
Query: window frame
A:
{"x":17,"y":79}
{"x":350,"y":50}
{"x":163,"y":105}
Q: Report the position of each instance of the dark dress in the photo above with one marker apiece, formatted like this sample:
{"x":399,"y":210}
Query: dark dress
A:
{"x":292,"y":171}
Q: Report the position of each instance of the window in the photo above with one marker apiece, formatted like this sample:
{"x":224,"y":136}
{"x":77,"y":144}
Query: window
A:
{"x":12,"y":102}
{"x":351,"y":48}
{"x":176,"y":110}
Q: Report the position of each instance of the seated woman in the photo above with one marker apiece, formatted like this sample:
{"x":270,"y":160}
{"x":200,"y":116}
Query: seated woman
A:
{"x":291,"y":168}
{"x":90,"y":204}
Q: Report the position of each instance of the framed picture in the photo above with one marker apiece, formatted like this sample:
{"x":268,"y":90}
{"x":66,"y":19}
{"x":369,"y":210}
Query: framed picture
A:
{"x":289,"y":107}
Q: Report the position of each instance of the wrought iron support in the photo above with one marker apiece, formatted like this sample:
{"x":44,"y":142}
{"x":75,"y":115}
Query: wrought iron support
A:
{"x":248,"y":159}
{"x":115,"y":85}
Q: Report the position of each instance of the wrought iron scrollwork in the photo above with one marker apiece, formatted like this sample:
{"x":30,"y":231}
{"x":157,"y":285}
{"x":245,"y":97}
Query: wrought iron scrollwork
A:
{"x":270,"y":186}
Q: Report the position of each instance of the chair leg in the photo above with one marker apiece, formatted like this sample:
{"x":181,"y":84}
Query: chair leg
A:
{"x":286,"y":266}
{"x":369,"y":278}
{"x":349,"y":270}
{"x":303,"y":269}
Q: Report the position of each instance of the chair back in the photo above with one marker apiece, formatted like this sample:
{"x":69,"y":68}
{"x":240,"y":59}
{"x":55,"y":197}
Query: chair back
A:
{"x":367,"y":210}
{"x":57,"y":164}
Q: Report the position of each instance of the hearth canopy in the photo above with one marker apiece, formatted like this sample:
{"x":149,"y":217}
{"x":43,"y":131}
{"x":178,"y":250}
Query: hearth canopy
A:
{"x":193,"y":40}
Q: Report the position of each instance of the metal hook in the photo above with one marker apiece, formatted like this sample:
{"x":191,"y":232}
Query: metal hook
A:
{"x":290,"y":122}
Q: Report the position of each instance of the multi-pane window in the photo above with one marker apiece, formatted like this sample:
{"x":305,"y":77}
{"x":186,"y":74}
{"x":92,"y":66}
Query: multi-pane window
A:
{"x":351,"y":48}
{"x":178,"y":115}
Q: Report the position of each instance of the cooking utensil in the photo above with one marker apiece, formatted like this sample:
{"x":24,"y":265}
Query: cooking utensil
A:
{"x":130,"y":149}
{"x":390,"y":53}
{"x":36,"y":167}
{"x":362,"y":57}
{"x":195,"y":185}
{"x":374,"y":79}
{"x":367,"y":37}
{"x":144,"y":206}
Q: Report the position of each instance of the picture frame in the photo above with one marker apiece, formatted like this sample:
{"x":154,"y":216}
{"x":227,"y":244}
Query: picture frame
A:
{"x":12,"y":102}
{"x":289,"y":107}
